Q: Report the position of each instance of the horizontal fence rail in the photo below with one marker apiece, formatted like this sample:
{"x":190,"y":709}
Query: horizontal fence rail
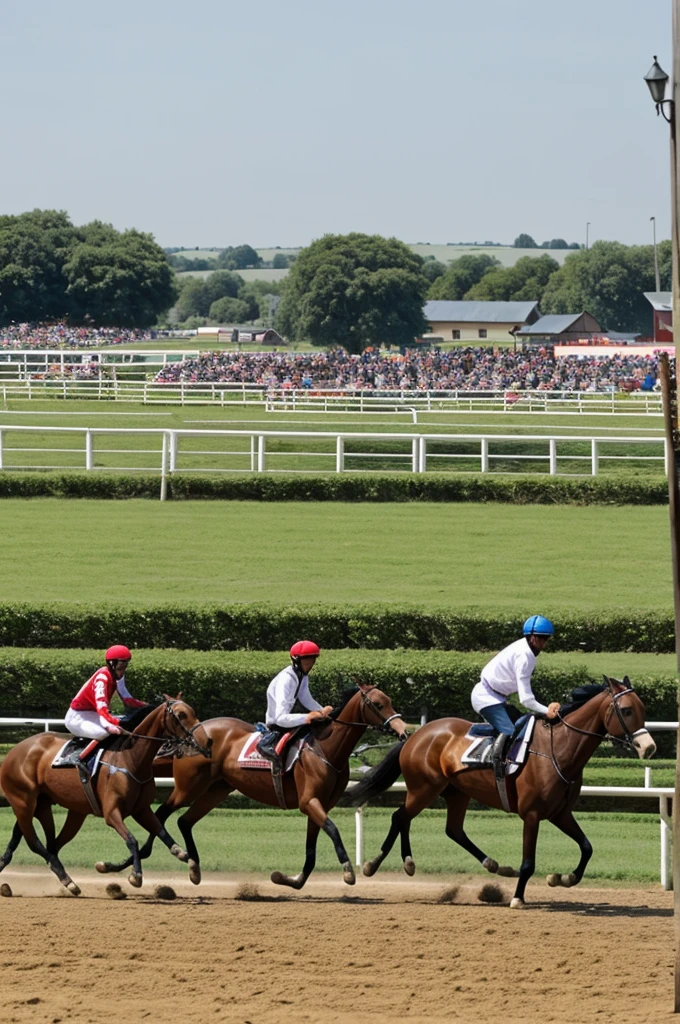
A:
{"x":275,"y":398}
{"x":661,"y":793}
{"x":165,"y":451}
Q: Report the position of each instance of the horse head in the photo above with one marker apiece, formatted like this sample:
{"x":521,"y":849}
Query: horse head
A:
{"x":624,"y":718}
{"x":181,"y":723}
{"x":375,"y":708}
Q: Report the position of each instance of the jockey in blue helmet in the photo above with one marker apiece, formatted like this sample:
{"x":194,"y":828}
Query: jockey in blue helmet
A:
{"x":510,"y":672}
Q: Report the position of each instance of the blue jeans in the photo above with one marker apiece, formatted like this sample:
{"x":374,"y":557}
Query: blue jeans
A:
{"x":500,"y":716}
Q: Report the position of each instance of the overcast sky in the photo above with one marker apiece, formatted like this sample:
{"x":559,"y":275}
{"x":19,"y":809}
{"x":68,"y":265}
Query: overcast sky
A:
{"x":275,"y":121}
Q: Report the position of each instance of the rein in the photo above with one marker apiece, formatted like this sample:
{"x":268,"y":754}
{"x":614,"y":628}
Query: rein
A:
{"x":189,"y":733}
{"x":383,"y":727}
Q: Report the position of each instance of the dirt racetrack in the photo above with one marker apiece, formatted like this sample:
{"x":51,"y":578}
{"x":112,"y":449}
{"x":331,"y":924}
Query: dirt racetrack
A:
{"x":386,"y":950}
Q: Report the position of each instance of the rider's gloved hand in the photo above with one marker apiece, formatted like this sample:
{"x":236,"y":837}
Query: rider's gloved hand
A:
{"x":314,"y":716}
{"x":553,"y":709}
{"x":115,"y":730}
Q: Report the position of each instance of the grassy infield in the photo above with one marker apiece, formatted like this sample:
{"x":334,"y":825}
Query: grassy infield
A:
{"x":557,"y":558}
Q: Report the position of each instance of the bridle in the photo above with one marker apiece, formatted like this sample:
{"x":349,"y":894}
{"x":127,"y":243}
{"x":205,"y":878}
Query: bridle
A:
{"x":627,"y":740}
{"x":188,"y":739}
{"x":368,"y":703}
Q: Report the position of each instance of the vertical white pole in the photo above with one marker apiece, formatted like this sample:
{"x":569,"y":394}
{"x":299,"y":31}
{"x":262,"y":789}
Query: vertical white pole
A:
{"x":359,"y":830}
{"x":485,"y":455}
{"x":414,"y":455}
{"x":88,"y":449}
{"x":422,"y":444}
{"x":260,"y":453}
{"x":252,"y":453}
{"x":593,"y":457}
{"x":0,"y":449}
{"x":553,"y":456}
{"x":339,"y":454}
{"x":173,"y":451}
{"x":164,"y":462}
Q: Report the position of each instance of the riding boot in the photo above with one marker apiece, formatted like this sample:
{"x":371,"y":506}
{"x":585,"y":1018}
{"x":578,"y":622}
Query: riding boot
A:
{"x":82,"y":759}
{"x":500,"y":746}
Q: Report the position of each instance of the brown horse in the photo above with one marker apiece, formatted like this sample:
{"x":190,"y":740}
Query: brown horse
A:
{"x":547,"y":786}
{"x":124,"y":786}
{"x":314,"y":785}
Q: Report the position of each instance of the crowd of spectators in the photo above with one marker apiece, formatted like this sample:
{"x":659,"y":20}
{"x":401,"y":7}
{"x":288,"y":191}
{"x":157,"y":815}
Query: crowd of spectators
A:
{"x":474,"y":369}
{"x":40,"y":336}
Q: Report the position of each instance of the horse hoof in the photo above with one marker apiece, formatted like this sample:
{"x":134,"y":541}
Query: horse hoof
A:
{"x":72,"y":887}
{"x":505,"y":871}
{"x":554,"y":880}
{"x":569,"y":880}
{"x":409,"y":866}
{"x":490,"y":864}
{"x":278,"y":878}
{"x":370,"y":868}
{"x":101,"y":867}
{"x":194,"y":872}
{"x":348,"y":874}
{"x":517,"y":904}
{"x":135,"y":880}
{"x":178,"y":852}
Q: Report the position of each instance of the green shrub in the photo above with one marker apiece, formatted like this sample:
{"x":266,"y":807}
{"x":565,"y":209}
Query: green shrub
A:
{"x":34,"y":682}
{"x":264,"y":627}
{"x":391,"y":487}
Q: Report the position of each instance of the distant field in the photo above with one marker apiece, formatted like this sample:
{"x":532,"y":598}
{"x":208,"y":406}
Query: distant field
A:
{"x":260,"y":274}
{"x":484,"y":557}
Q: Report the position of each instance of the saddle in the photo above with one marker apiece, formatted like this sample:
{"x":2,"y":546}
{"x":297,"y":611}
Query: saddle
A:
{"x":275,"y":751}
{"x":68,"y":757}
{"x":482,"y":736}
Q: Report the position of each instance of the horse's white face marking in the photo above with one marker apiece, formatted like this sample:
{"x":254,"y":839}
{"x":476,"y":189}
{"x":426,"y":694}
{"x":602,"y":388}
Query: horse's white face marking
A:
{"x":644,"y":744}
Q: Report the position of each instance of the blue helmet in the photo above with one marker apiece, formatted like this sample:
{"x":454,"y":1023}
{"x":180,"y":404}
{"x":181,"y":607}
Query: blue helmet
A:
{"x":538,"y":625}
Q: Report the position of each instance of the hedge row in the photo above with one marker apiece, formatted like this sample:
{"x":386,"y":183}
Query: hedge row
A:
{"x":393,"y":487}
{"x":43,"y":683}
{"x":269,"y":628}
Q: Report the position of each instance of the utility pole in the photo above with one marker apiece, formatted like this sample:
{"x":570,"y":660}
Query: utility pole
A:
{"x":587,"y":230}
{"x":657,"y":279}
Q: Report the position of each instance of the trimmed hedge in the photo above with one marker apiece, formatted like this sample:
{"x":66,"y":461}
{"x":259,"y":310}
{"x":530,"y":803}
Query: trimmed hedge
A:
{"x":37,"y":683}
{"x":270,"y":628}
{"x":392,"y":487}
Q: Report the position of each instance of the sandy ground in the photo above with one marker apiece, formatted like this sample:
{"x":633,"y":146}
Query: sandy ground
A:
{"x":388,"y":949}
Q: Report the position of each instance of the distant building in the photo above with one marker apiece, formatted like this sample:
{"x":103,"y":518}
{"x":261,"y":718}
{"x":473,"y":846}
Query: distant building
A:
{"x":662,"y":310}
{"x":475,"y":321}
{"x":244,"y":332}
{"x":561,"y":328}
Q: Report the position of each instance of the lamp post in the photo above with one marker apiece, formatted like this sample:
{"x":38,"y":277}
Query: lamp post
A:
{"x":587,"y":230}
{"x":657,"y":80}
{"x":657,"y":279}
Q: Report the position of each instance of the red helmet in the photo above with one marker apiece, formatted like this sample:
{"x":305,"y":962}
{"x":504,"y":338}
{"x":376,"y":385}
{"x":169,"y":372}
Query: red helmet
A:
{"x":118,"y":653}
{"x":304,"y":649}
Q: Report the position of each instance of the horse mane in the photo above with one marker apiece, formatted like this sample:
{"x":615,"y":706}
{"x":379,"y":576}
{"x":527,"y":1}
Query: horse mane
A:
{"x":580,"y":695}
{"x":130,"y":721}
{"x":345,"y":698}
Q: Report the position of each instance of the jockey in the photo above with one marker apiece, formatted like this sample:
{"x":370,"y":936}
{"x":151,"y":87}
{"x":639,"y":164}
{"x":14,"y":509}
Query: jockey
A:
{"x":88,"y":714}
{"x":289,"y":687}
{"x":510,"y":672}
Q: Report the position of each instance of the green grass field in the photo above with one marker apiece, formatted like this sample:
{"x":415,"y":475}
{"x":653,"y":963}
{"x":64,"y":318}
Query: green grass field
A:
{"x":558,"y":558}
{"x":259,"y":841}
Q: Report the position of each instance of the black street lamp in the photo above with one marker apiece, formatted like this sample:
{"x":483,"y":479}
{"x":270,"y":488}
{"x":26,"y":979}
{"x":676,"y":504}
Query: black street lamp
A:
{"x":657,"y":80}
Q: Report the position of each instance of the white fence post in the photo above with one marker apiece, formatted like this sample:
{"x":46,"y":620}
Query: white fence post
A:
{"x":252,"y":453}
{"x":174,"y":443}
{"x":0,"y":449}
{"x":260,"y":453}
{"x":88,"y":449}
{"x":359,"y":830}
{"x":340,"y":454}
{"x":485,"y":455}
{"x":553,"y":456}
{"x":164,"y":462}
{"x":593,"y":457}
{"x":666,"y":826}
{"x":422,"y":445}
{"x":414,"y":455}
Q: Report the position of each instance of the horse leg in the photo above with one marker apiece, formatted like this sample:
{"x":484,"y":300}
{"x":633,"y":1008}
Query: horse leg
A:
{"x":70,"y":829}
{"x":11,"y":846}
{"x":105,"y":866}
{"x":529,"y":838}
{"x":316,"y":813}
{"x":371,"y":866}
{"x":24,"y":816}
{"x":456,"y":808}
{"x":297,"y":881}
{"x":114,"y":819}
{"x":215,"y":795}
{"x":566,"y":823}
{"x":416,"y":801}
{"x":148,"y":820}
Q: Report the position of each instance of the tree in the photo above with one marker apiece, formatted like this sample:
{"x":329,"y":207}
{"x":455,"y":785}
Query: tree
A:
{"x":280,"y":261}
{"x":555,"y":243}
{"x":239,"y":257}
{"x":460,"y":276}
{"x":221,"y":285}
{"x":125,"y":282}
{"x":229,"y":311}
{"x":33,"y":247}
{"x":525,"y":281}
{"x":192,"y":300}
{"x":356,"y":291}
{"x":524,"y":242}
{"x":433,"y":269}
{"x":608,"y":280}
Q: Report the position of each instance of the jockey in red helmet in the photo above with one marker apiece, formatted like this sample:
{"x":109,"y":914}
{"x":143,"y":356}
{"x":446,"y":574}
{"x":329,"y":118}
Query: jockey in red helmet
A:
{"x":289,"y":687}
{"x":88,"y":714}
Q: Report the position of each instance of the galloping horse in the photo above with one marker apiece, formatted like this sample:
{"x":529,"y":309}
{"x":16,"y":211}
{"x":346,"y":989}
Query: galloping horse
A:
{"x":124,"y":786}
{"x":546,"y":787}
{"x":314,"y":785}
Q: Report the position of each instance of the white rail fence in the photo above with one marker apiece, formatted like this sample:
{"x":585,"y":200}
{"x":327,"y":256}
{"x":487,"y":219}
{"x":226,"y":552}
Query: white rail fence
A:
{"x":255,"y":451}
{"x":661,"y":793}
{"x":280,"y":399}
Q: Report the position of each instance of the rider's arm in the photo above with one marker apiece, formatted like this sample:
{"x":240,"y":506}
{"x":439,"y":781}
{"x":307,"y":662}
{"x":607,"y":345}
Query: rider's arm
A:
{"x":305,"y":697}
{"x":101,"y":700}
{"x":524,"y":691}
{"x":284,"y":700}
{"x":128,"y":700}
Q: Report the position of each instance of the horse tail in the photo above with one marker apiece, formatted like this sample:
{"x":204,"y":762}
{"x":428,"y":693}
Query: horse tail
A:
{"x":377,"y":780}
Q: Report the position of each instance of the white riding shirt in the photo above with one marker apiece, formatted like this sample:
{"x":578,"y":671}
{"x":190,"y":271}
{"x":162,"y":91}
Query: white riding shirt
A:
{"x":509,"y":672}
{"x":282,"y":692}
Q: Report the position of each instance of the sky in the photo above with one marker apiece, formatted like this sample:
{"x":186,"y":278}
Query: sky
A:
{"x":277,"y":121}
